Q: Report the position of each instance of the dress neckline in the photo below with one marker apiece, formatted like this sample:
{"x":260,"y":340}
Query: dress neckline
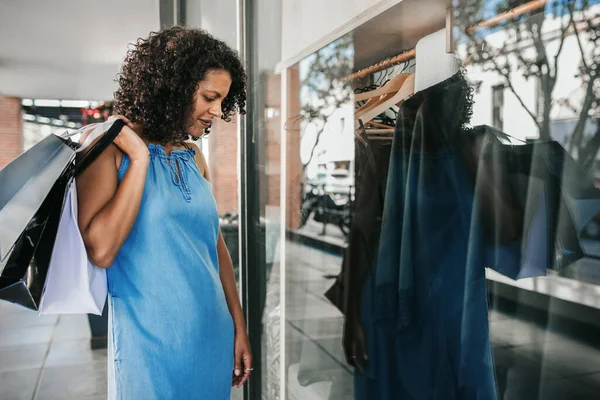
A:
{"x":159,"y":151}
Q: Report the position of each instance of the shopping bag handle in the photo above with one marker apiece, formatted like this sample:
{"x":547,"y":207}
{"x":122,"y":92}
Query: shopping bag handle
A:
{"x":98,"y":130}
{"x":114,"y":128}
{"x":68,"y":134}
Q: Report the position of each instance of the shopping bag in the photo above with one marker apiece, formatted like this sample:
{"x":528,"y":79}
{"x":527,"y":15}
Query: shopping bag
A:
{"x":26,"y":183}
{"x":73,"y":284}
{"x":25,"y":260}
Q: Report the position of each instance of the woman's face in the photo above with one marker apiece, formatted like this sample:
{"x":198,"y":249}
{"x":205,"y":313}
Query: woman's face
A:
{"x":210,"y":94}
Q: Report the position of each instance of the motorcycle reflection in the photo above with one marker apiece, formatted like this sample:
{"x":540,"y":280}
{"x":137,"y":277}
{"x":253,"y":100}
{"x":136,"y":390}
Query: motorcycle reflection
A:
{"x":327,"y":208}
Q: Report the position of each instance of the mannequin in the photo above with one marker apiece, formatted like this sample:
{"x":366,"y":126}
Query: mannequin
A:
{"x":434,"y":63}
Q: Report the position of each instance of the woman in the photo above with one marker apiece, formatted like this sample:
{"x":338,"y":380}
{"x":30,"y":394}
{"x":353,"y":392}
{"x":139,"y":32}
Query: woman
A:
{"x":146,"y":212}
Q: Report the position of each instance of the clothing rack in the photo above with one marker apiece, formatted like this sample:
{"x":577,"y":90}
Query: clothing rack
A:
{"x":402,"y":57}
{"x":518,"y":11}
{"x":508,"y":15}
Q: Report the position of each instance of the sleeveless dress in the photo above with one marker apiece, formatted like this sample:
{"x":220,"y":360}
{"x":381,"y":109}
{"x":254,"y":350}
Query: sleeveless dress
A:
{"x":171,"y":334}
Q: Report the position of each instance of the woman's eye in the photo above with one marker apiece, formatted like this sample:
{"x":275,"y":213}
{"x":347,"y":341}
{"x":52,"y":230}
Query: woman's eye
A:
{"x":209,"y":99}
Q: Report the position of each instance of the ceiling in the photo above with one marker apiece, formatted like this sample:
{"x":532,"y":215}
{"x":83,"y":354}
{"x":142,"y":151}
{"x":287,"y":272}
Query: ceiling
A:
{"x":68,"y":49}
{"x":397,"y":29}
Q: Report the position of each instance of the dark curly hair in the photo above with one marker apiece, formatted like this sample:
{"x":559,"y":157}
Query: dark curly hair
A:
{"x":160,"y":75}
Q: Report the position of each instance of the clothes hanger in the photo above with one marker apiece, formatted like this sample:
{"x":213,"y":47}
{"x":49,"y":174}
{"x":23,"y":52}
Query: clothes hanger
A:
{"x":379,"y":131}
{"x":388,"y":100}
{"x":395,"y":86}
{"x":375,"y":134}
{"x":378,"y":124}
{"x":392,"y":86}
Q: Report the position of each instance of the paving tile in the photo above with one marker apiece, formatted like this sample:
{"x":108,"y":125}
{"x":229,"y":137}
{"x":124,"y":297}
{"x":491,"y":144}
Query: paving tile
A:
{"x":72,"y":327}
{"x":325,"y":354}
{"x":514,"y":371}
{"x":326,"y":328}
{"x":591,"y":381}
{"x":307,"y":298}
{"x":567,"y":357}
{"x":494,"y":316}
{"x":514,"y":332}
{"x":25,"y":336}
{"x":10,"y":308}
{"x":315,"y":355}
{"x":22,"y":357}
{"x":562,"y":389}
{"x":18,"y":385}
{"x":315,"y":312}
{"x":237,"y":394}
{"x":320,"y":287}
{"x":294,"y":335}
{"x":78,"y":382}
{"x":327,"y":384}
{"x":68,"y":353}
{"x":26,"y":320}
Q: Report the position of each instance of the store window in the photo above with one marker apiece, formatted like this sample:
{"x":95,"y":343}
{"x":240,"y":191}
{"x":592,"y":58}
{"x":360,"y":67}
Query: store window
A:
{"x":399,"y":240}
{"x":435,"y":249}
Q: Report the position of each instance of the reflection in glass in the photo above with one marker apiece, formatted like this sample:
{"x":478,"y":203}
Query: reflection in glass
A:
{"x":442,"y":219}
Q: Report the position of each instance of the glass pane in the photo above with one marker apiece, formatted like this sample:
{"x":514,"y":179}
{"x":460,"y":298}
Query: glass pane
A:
{"x":442,"y":209}
{"x":544,"y":58}
{"x":221,"y":146}
{"x":320,"y":195}
{"x":264,"y":138}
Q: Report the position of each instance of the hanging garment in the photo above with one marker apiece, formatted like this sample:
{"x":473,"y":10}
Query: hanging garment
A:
{"x":371,"y":166}
{"x":568,"y":194}
{"x":429,"y":290}
{"x":171,"y":333}
{"x":457,"y":201}
{"x":353,"y":282}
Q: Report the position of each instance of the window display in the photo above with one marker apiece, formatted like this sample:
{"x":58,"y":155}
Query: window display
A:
{"x":449,"y":258}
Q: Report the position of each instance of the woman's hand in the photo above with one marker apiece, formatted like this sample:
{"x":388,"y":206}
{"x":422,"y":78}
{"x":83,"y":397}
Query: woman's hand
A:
{"x":129,"y":142}
{"x":354,"y":343}
{"x":242,"y":358}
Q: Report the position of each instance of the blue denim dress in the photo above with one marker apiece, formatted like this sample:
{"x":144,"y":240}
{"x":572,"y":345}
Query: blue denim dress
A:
{"x":171,"y":333}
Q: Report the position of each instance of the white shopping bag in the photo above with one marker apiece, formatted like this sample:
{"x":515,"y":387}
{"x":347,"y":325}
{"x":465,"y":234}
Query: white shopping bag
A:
{"x":73,"y":284}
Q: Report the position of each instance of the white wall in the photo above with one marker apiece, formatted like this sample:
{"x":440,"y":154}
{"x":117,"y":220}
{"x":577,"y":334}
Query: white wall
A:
{"x":305,"y":22}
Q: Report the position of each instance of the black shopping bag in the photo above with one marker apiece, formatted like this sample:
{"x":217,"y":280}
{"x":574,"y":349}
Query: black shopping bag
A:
{"x":31,"y":202}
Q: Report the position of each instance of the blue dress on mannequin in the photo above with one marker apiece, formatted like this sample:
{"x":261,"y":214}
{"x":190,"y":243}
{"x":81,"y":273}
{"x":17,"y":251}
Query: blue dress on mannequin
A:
{"x":171,"y":333}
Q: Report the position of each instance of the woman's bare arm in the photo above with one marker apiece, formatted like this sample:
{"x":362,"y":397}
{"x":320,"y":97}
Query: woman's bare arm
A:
{"x":107,"y":209}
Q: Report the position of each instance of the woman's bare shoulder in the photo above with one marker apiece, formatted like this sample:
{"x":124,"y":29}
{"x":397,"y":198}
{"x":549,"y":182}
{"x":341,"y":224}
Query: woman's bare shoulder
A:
{"x":199,"y":158}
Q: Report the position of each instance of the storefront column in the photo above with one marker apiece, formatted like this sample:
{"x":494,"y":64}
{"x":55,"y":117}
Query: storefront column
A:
{"x":11,"y":129}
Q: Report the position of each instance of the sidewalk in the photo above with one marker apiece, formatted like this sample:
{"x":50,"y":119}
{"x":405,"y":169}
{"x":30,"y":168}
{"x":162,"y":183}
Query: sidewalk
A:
{"x":531,"y":362}
{"x":48,"y":358}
